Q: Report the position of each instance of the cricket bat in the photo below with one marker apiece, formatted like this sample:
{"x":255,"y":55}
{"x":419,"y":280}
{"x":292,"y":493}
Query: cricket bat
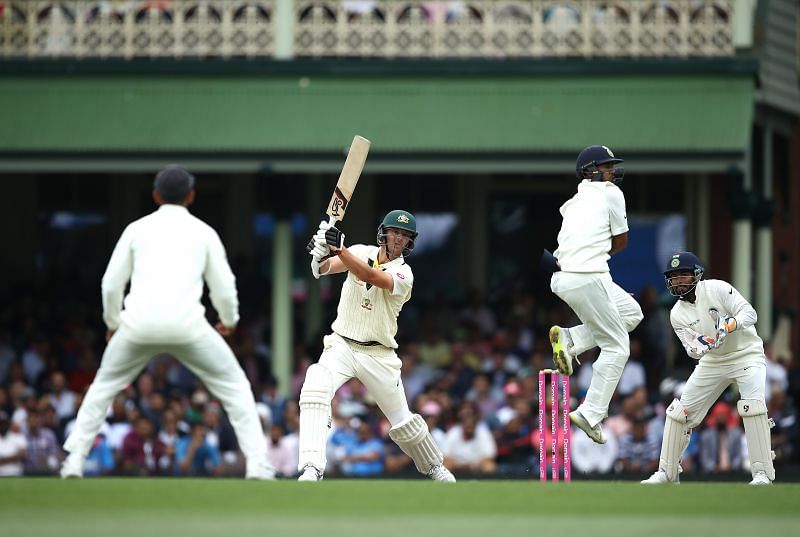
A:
{"x":348,"y":179}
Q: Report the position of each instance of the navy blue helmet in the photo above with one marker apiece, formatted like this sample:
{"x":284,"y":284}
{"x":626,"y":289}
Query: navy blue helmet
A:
{"x":683,"y":261}
{"x":593,"y":156}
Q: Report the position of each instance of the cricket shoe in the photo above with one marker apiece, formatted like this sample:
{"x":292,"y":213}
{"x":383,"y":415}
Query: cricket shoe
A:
{"x":559,"y":339}
{"x":310,"y":473}
{"x":595,"y":433}
{"x":72,"y":467}
{"x":660,"y":478}
{"x":760,"y":478}
{"x":261,"y":472}
{"x":440,"y":473}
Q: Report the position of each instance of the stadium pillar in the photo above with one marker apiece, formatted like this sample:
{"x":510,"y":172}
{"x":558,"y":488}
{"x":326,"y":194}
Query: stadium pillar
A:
{"x":313,"y":306}
{"x":741,"y":203}
{"x":763,"y":222}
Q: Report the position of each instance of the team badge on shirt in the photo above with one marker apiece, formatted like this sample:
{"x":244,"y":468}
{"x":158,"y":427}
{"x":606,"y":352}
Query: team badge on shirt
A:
{"x":366,"y":304}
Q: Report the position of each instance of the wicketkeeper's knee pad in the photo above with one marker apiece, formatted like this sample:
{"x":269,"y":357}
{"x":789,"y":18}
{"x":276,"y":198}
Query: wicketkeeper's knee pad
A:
{"x":318,"y":386}
{"x":676,"y":438}
{"x":756,"y":430}
{"x":415,"y":440}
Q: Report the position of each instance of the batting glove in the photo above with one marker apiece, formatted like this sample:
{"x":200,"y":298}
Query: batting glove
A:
{"x":315,"y":263}
{"x":317,"y":247}
{"x":334,"y":238}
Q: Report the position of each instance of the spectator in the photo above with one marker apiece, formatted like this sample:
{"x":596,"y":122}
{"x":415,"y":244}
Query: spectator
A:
{"x":12,"y":448}
{"x":639,"y":449}
{"x":142,"y":453}
{"x":100,"y":460}
{"x":61,"y":397}
{"x":195,"y":456}
{"x":469,"y":445}
{"x":282,"y":450}
{"x":364,"y":457}
{"x":43,"y":455}
{"x":721,"y":440}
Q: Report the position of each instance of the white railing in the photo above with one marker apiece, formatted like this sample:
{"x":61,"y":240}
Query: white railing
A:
{"x":367,"y":28}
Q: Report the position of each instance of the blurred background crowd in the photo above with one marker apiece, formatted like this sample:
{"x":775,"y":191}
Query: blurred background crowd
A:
{"x":470,"y":368}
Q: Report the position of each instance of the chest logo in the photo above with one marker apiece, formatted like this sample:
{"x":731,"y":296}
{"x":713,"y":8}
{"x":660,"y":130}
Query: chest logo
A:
{"x":366,"y":304}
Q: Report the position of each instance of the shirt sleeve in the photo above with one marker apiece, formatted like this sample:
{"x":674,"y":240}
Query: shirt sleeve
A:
{"x":403,"y":280}
{"x":116,"y":277}
{"x":221,"y":282}
{"x":617,"y":215}
{"x":734,"y":304}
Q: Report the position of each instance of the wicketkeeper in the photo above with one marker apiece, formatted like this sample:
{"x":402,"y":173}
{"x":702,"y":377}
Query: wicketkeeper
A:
{"x":716,"y":327}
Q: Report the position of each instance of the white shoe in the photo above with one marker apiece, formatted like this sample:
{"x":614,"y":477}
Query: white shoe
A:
{"x":595,"y":433}
{"x":659,"y":478}
{"x":262,"y":471}
{"x":760,"y":478}
{"x":310,"y":473}
{"x":72,"y":467}
{"x":440,"y":473}
{"x":559,"y":338}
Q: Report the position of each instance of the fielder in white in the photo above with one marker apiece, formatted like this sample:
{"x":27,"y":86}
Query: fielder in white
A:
{"x":594,"y":228}
{"x":733,"y":353}
{"x":362,"y":344}
{"x":166,"y":256}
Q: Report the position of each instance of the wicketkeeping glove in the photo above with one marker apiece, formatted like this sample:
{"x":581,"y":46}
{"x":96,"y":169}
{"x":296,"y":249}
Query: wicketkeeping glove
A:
{"x":706,"y":343}
{"x":334,"y":238}
{"x":724,"y":326}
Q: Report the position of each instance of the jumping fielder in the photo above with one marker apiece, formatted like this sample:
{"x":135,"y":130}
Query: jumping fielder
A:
{"x":594,"y":228}
{"x":362,"y":344}
{"x":166,"y":256}
{"x":733,"y":353}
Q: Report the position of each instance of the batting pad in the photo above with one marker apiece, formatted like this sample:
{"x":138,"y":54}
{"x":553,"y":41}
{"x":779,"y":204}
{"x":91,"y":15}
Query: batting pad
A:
{"x":415,"y":440}
{"x":315,"y":417}
{"x":676,"y":438}
{"x":756,"y":429}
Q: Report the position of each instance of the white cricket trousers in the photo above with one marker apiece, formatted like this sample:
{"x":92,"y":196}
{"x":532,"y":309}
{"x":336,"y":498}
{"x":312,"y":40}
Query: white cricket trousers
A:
{"x":608,"y":313}
{"x":708,"y":381}
{"x":339,"y":363}
{"x":208,"y":357}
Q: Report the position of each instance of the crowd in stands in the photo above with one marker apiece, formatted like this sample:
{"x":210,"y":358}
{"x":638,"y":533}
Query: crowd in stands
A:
{"x":470,"y":369}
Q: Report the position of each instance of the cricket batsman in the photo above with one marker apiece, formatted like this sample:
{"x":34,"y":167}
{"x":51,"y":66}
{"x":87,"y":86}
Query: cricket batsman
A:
{"x":362,"y":343}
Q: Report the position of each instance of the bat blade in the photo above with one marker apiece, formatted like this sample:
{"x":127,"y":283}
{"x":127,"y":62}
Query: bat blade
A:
{"x":348,"y":179}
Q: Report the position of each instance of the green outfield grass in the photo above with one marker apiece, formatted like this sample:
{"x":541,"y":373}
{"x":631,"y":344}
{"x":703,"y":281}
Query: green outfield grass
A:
{"x":233,"y":508}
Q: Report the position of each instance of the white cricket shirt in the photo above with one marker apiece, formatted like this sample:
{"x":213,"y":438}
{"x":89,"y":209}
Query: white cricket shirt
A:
{"x":590,"y":218}
{"x":167,"y":255}
{"x":692,"y":320}
{"x":369,"y":313}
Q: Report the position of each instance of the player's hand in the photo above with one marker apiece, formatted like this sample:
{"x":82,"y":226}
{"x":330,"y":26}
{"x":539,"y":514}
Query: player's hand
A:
{"x":315,"y":263}
{"x":706,"y":344}
{"x":317,"y":247}
{"x":334,"y":238}
{"x":724,"y":326}
{"x":324,"y":226}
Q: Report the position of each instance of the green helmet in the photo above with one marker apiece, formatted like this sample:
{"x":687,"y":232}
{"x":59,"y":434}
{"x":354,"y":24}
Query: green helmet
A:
{"x":399,"y":219}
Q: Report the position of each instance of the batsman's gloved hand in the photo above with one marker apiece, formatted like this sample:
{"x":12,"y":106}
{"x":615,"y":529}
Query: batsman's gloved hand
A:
{"x":334,"y":238}
{"x":724,"y":326}
{"x":317,"y":247}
